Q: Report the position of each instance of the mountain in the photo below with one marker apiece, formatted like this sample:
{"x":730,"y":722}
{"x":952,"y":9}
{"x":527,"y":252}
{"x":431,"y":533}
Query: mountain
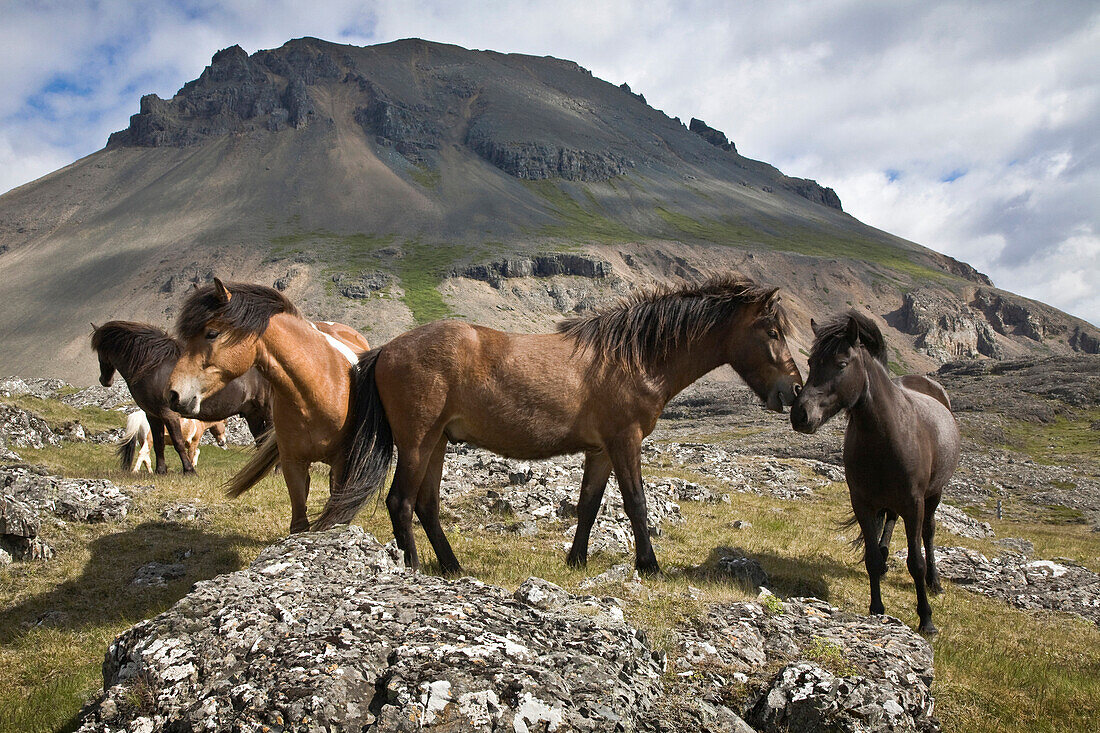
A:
{"x":393,"y":184}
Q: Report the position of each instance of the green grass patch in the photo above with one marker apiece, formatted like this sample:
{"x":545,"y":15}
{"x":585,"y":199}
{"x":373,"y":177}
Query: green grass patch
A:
{"x":1067,"y":436}
{"x":57,"y":413}
{"x":579,"y":223}
{"x":426,"y":177}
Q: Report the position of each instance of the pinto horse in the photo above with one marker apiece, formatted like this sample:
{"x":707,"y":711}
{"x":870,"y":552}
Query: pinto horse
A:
{"x":228,"y":330}
{"x":137,"y":441}
{"x":145,"y":355}
{"x":596,"y":386}
{"x":901,"y":446}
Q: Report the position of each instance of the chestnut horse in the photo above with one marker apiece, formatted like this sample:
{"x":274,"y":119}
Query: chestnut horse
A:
{"x":226,"y":330}
{"x":901,"y":446}
{"x":597,"y":387}
{"x":145,"y":355}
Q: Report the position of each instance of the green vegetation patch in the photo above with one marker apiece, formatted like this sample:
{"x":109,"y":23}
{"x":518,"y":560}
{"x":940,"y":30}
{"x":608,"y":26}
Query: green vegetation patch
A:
{"x":1051,"y":443}
{"x":57,"y":413}
{"x":579,"y":223}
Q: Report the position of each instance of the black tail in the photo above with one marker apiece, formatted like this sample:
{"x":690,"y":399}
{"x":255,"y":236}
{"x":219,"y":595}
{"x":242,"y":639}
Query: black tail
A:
{"x":369,"y":449}
{"x":263,"y":460}
{"x":858,"y":543}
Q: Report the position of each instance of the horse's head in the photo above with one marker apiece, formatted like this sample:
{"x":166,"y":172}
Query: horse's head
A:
{"x":838,"y":375}
{"x":214,"y":350}
{"x":757,"y":350}
{"x":106,"y":367}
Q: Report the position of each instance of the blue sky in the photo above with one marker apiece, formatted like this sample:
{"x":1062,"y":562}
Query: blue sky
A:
{"x":970,"y":127}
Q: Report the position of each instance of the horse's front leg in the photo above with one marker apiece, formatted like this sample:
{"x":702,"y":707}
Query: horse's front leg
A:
{"x":626,"y":459}
{"x":296,"y":476}
{"x":914,"y":524}
{"x":156,"y":427}
{"x":597,"y":469}
{"x":932,"y":576}
{"x":175,"y":433}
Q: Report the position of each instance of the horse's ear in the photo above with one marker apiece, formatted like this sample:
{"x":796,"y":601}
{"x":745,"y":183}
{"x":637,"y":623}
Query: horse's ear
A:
{"x":221,"y":291}
{"x":94,"y":327}
{"x":772,"y":297}
{"x":813,"y":327}
{"x":852,"y":334}
{"x":194,"y":286}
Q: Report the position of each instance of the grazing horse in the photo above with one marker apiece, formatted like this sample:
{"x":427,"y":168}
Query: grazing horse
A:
{"x":145,"y":355}
{"x":227,"y":331}
{"x":900,"y":448}
{"x":137,"y":441}
{"x":596,"y":386}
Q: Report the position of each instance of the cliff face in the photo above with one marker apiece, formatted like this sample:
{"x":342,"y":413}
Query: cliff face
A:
{"x":394,"y":184}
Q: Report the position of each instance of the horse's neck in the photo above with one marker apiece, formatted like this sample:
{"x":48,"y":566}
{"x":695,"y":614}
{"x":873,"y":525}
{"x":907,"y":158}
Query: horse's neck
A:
{"x":298,"y":361}
{"x":876,"y":407}
{"x":688,"y":363}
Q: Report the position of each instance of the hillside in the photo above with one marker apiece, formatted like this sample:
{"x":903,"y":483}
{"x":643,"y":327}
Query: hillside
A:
{"x":393,"y":184}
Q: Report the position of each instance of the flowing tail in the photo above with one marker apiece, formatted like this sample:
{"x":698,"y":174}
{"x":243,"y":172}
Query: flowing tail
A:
{"x":263,"y":460}
{"x":369,"y":449}
{"x":137,"y":429}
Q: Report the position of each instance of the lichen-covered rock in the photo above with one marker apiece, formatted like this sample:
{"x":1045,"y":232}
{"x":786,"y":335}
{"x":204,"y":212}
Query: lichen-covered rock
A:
{"x":840,"y":671}
{"x":19,"y":527}
{"x":34,"y":387}
{"x":327,"y":631}
{"x":24,"y":429}
{"x":956,"y":521}
{"x":82,"y":500}
{"x":945,"y":328}
{"x":1028,"y":584}
{"x":548,"y":265}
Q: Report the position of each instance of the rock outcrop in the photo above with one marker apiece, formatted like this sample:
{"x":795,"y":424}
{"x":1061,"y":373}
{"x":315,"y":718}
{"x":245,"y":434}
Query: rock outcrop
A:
{"x":328,"y":631}
{"x":946,"y":329}
{"x":23,"y":429}
{"x":536,"y":161}
{"x":717,"y":138}
{"x":547,"y":265}
{"x":1014,"y":316}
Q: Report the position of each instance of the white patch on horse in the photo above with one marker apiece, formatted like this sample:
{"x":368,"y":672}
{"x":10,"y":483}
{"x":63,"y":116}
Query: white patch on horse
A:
{"x":339,"y":345}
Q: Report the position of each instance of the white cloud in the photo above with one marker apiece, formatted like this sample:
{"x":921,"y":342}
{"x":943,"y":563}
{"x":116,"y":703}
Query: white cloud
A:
{"x":1002,"y":96}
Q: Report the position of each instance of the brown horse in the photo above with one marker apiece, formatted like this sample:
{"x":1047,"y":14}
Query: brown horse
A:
{"x":597,"y":387}
{"x":228,"y":330}
{"x":145,"y":355}
{"x":900,"y":448}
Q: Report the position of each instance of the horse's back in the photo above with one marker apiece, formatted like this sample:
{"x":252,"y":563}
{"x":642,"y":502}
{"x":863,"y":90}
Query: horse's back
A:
{"x":924,"y":385}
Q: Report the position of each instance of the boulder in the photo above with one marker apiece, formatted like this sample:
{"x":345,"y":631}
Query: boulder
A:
{"x":23,"y":429}
{"x":82,"y":500}
{"x":328,"y":631}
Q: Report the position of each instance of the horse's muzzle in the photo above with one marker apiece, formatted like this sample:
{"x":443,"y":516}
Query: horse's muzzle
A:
{"x":783,"y":395}
{"x":800,"y":419}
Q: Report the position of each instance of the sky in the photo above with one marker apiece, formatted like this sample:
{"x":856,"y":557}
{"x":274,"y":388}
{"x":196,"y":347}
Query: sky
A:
{"x":971,"y":127}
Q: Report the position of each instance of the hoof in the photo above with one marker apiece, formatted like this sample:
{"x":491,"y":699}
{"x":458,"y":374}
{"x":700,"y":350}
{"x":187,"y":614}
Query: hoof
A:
{"x":877,"y":610}
{"x":451,"y":572}
{"x":927,"y":629}
{"x":934,"y":587}
{"x":161,"y":471}
{"x":576,"y":561}
{"x":650,"y":570}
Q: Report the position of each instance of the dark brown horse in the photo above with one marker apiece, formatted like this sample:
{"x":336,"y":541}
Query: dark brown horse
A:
{"x":597,"y":387}
{"x":145,"y":355}
{"x":900,"y":448}
{"x":229,"y":330}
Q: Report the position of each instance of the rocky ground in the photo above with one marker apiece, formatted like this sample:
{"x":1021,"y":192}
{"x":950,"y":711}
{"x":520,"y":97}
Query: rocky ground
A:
{"x":294,"y":644}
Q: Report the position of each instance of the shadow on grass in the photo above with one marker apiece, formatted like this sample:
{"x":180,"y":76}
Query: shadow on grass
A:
{"x":788,"y":576}
{"x":104,"y":593}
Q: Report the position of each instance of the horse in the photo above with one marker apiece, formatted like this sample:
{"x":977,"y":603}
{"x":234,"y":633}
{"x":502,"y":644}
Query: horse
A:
{"x":145,"y":355}
{"x":137,"y":441}
{"x":596,"y":386}
{"x":228,"y":330}
{"x":901,"y":446}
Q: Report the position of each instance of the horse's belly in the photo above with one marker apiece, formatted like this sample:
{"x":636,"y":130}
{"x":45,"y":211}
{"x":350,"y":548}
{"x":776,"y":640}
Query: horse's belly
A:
{"x":518,"y":441}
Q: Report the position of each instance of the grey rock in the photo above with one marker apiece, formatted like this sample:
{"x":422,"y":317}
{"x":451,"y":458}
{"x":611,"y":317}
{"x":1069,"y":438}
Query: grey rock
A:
{"x":183,"y":511}
{"x":327,"y":631}
{"x":743,"y":570}
{"x":34,"y":387}
{"x":945,"y":328}
{"x":83,"y":500}
{"x":24,"y":429}
{"x":956,"y":521}
{"x":716,"y":138}
{"x":1017,"y":544}
{"x":156,"y":574}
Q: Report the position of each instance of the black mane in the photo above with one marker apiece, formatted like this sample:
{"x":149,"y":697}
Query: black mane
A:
{"x":832,"y":336}
{"x":134,"y":348}
{"x":646,"y":327}
{"x":247,"y":313}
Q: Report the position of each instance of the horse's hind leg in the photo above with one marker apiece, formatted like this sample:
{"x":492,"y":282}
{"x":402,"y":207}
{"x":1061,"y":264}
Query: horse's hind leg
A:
{"x":890,"y":518}
{"x":597,"y":469}
{"x":427,"y":511}
{"x":914,"y":524}
{"x":872,"y":558}
{"x":296,"y":476}
{"x":627,"y":463}
{"x":401,"y":501}
{"x":932,"y":576}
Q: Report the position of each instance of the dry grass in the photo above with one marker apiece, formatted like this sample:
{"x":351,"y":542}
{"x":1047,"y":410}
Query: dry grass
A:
{"x":997,"y":668}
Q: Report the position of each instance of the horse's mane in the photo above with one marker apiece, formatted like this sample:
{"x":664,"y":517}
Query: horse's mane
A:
{"x":134,"y":348}
{"x":645,"y":327}
{"x":832,"y":336}
{"x":247,"y":313}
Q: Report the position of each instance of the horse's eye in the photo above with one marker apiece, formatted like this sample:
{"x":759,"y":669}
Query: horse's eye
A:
{"x":773,"y":334}
{"x":211,"y":335}
{"x":842,"y":365}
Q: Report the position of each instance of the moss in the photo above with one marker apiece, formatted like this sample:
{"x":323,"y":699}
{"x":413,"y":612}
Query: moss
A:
{"x":578,"y":223}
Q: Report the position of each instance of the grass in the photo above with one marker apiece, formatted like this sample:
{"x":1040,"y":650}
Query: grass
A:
{"x":1067,"y":436}
{"x":57,"y":413}
{"x":785,"y":237}
{"x":998,"y":669}
{"x":579,"y":223}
